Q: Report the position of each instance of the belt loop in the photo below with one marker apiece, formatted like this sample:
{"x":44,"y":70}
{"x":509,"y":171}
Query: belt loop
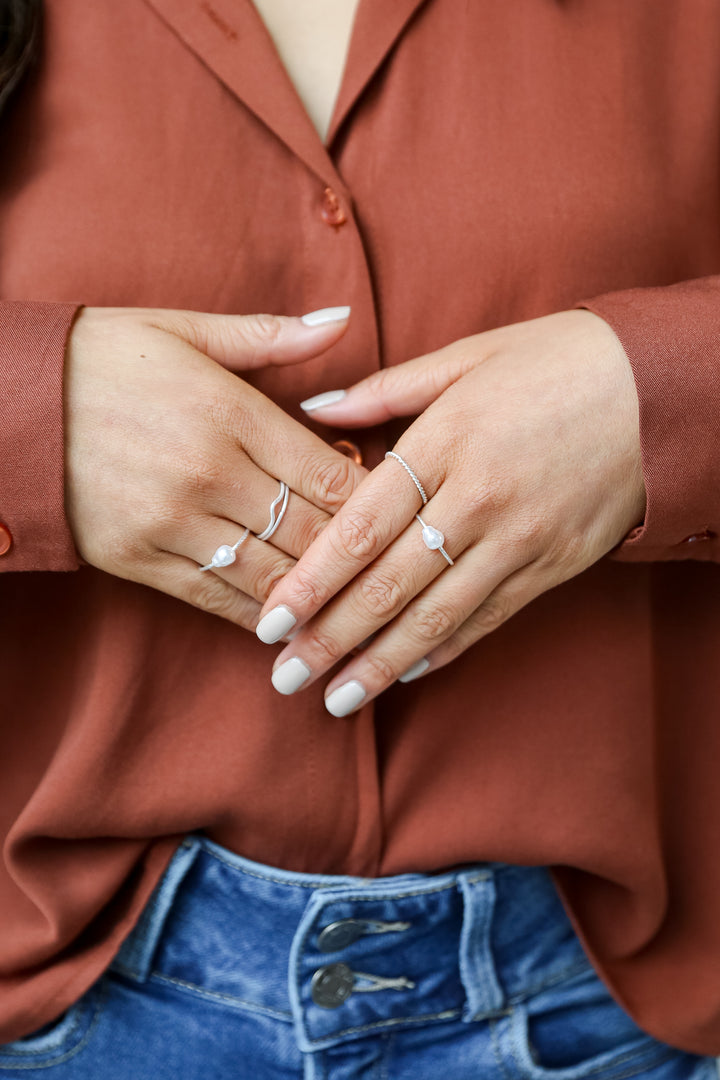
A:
{"x":477,"y":965}
{"x":136,"y":952}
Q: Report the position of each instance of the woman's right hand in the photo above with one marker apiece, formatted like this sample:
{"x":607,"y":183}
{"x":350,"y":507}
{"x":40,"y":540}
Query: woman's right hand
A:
{"x":169,"y":455}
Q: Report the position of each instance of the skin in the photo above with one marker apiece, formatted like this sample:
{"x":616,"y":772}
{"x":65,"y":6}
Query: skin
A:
{"x":528,"y":447}
{"x":311,"y":37}
{"x":168,"y":454}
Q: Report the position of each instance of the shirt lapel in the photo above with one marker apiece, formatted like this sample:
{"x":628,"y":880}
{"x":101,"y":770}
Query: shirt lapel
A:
{"x":378,"y":25}
{"x":230,"y":38}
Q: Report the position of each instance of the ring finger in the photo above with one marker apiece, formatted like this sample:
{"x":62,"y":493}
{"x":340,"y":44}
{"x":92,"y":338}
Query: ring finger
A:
{"x":232,"y":553}
{"x":267,"y":505}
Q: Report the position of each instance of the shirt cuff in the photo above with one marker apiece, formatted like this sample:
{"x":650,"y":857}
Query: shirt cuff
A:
{"x":671,"y":335}
{"x":35,"y":534}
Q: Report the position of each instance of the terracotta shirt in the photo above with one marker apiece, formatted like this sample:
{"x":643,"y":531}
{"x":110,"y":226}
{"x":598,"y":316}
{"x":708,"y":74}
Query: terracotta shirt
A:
{"x":488,"y":162}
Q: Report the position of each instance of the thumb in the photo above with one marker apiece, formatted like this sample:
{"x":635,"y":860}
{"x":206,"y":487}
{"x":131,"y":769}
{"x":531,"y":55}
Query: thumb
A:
{"x":243,"y":342}
{"x":404,"y":390}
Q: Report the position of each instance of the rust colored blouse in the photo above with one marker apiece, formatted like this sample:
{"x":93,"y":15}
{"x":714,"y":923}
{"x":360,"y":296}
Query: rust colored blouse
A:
{"x":488,"y":162}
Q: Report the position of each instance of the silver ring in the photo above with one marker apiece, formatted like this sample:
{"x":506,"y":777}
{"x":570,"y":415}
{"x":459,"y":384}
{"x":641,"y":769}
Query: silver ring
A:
{"x":282,"y":499}
{"x":434,"y":539}
{"x":413,"y":477}
{"x":225,"y":555}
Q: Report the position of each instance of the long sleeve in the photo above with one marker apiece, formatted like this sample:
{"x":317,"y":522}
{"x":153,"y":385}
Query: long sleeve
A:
{"x":671,"y":335}
{"x":33,"y":337}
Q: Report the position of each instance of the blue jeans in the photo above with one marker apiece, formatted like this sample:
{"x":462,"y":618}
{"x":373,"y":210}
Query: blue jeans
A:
{"x":241,"y":970}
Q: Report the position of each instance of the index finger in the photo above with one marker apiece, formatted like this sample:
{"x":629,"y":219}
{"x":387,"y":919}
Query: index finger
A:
{"x":377,"y":512}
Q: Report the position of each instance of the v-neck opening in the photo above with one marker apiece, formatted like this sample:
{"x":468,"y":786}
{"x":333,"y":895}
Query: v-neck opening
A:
{"x":325,"y":137}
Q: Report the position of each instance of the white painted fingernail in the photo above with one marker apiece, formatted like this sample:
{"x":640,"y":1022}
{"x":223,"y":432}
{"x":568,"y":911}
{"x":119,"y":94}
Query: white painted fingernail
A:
{"x":275,"y":624}
{"x":290,"y":676}
{"x":321,"y":400}
{"x":415,"y":671}
{"x":326,"y":315}
{"x":346,"y":698}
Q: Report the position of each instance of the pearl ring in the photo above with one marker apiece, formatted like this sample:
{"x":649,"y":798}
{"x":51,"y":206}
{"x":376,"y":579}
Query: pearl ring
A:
{"x":225,"y":555}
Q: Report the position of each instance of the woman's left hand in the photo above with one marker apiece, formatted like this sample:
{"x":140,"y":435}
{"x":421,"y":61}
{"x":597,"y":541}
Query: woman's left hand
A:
{"x":529,"y":451}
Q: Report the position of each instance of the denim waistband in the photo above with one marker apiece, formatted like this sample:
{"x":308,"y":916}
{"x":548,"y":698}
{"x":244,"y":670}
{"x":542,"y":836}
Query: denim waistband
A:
{"x":345,"y":957}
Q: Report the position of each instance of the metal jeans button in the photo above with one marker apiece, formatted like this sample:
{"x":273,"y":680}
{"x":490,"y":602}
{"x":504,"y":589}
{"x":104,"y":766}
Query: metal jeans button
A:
{"x":339,"y":935}
{"x":332,"y":985}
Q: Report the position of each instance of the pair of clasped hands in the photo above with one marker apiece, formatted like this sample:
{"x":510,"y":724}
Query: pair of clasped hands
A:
{"x":526,"y":441}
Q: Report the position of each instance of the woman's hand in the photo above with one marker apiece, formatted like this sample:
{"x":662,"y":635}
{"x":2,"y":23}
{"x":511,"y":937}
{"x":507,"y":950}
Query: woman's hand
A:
{"x":169,"y":455}
{"x":529,"y":452}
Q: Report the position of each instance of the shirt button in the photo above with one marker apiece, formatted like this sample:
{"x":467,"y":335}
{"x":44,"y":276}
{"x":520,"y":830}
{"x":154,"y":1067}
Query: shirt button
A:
{"x":5,"y":539}
{"x":331,"y":210}
{"x":696,"y":538}
{"x":332,"y":985}
{"x":349,"y":449}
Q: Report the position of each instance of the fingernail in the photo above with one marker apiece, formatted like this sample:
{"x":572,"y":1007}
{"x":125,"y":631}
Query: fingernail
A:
{"x":415,"y":671}
{"x":321,"y":400}
{"x":275,"y":624}
{"x":290,"y":676}
{"x":346,"y":698}
{"x":326,"y":315}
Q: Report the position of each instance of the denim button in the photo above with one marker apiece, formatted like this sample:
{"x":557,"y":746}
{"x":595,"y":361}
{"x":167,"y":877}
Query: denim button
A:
{"x":332,"y":985}
{"x":339,"y":935}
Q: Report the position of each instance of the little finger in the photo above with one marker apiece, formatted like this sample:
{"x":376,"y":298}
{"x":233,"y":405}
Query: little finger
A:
{"x":473,"y":587}
{"x":179,"y":577}
{"x":516,"y":592}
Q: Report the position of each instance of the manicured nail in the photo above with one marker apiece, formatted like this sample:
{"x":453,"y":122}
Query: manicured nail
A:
{"x":321,"y":400}
{"x":290,"y":676}
{"x":415,"y":671}
{"x":346,"y":698}
{"x":275,"y":624}
{"x":326,"y":315}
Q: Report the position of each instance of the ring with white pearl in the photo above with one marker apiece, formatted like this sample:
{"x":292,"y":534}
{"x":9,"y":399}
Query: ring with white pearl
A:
{"x":225,"y":555}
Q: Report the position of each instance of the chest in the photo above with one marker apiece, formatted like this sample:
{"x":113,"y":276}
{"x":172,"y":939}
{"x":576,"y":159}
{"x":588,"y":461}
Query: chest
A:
{"x":312,"y":38}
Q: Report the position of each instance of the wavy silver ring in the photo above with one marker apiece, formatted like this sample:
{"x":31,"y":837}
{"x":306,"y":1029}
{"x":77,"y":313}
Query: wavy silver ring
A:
{"x":434,"y":539}
{"x":282,"y":499}
{"x":225,"y":555}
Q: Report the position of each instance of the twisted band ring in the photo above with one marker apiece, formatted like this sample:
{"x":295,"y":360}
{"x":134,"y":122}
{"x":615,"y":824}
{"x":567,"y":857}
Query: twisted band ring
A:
{"x":225,"y":555}
{"x":275,"y":519}
{"x":413,"y":477}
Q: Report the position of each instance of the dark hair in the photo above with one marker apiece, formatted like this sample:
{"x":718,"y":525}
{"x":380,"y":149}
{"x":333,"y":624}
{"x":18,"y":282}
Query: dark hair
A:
{"x":20,"y":22}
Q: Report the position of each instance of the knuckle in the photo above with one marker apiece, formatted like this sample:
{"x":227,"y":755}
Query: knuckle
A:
{"x":434,"y":621}
{"x":493,"y":613}
{"x":269,"y":577}
{"x":327,"y":650}
{"x":382,"y":668}
{"x":211,"y":593}
{"x":569,"y":553}
{"x":308,"y":593}
{"x":263,"y":329}
{"x":488,"y":498}
{"x":201,"y":475}
{"x":332,"y":482}
{"x":309,"y":528}
{"x":382,"y":595}
{"x":358,"y":535}
{"x":532,"y":535}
